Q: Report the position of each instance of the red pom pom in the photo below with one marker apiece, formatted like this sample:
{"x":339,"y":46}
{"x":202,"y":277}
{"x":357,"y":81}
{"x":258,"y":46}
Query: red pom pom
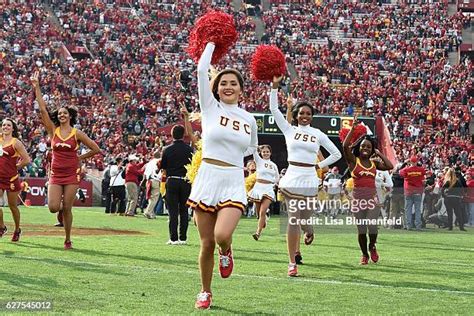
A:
{"x":268,"y":61}
{"x":360,"y":131}
{"x":217,"y":27}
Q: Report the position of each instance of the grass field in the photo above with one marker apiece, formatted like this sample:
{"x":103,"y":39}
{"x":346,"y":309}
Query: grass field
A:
{"x":430,"y":272}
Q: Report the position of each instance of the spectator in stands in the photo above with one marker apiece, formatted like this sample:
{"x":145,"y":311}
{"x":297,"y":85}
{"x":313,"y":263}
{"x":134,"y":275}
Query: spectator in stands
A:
{"x":153,"y":178}
{"x":117,"y":187}
{"x":469,"y":197}
{"x":397,"y":203}
{"x":453,"y":194}
{"x":414,"y":176}
{"x":133,"y":173}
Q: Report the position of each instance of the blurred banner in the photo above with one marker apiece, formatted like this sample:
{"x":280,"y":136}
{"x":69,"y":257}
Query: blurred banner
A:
{"x":38,"y":192}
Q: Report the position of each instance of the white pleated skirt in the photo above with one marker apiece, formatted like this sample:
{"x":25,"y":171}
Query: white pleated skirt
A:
{"x":299,"y":182}
{"x":216,"y":187}
{"x":261,"y":190}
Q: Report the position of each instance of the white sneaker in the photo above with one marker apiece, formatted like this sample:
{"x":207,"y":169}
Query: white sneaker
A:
{"x":182,"y":242}
{"x":170,"y":242}
{"x":149,"y":216}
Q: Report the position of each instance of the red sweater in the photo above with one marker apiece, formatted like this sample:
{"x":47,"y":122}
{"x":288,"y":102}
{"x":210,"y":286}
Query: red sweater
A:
{"x":132,"y":172}
{"x":470,"y":191}
{"x":414,"y":177}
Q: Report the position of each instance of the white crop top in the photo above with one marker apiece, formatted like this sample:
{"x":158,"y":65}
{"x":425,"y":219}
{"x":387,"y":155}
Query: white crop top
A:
{"x":266,"y":169}
{"x":229,"y":133}
{"x":303,"y":142}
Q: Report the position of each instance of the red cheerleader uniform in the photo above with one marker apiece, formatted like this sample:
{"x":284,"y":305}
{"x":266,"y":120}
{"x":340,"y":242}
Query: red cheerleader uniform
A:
{"x":9,"y":178}
{"x":364,"y":181}
{"x":65,"y":168}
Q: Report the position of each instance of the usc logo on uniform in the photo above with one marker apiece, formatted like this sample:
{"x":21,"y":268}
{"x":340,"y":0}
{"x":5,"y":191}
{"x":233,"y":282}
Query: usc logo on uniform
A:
{"x":305,"y":137}
{"x":367,"y":173}
{"x":235,"y":124}
{"x":62,"y":145}
{"x":268,"y":166}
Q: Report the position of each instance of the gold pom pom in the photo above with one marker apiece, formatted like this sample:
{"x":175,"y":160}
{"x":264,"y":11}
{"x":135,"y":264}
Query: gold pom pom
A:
{"x":250,"y":181}
{"x":195,"y":116}
{"x":193,"y":167}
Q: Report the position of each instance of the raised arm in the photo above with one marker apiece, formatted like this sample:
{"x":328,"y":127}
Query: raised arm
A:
{"x":256,"y":157}
{"x":334,"y":154}
{"x":188,"y":127}
{"x":47,"y":122}
{"x":383,"y":165}
{"x":279,"y":119}
{"x":289,"y":109}
{"x":94,"y":148}
{"x":346,"y":146}
{"x":253,"y":140}
{"x":206,"y":98}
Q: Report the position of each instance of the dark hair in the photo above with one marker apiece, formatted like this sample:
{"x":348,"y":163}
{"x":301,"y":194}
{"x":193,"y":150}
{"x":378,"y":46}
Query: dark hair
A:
{"x":297,"y":108}
{"x":262,"y":147}
{"x":118,"y":160}
{"x":72,"y":114}
{"x":356,"y":146}
{"x":215,"y":82}
{"x":15,"y":132}
{"x":177,"y":131}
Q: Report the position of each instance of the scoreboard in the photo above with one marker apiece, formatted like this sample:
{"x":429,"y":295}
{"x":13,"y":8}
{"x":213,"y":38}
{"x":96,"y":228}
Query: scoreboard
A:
{"x":329,"y":125}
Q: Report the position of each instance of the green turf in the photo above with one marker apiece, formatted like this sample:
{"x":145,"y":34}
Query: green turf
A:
{"x":430,"y":272}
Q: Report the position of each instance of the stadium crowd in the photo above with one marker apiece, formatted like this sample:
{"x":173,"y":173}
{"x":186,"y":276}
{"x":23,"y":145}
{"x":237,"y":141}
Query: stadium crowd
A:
{"x":366,"y":57}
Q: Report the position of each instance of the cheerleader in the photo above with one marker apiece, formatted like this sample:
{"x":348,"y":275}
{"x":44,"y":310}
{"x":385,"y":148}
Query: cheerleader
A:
{"x":13,"y":156}
{"x":319,"y":172}
{"x":364,"y":159}
{"x":218,"y":197}
{"x":263,"y":192}
{"x":300,"y":180}
{"x":65,"y":173}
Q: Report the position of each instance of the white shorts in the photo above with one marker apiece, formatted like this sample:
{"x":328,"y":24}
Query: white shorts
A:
{"x":299,"y":182}
{"x":216,"y":187}
{"x":261,"y":190}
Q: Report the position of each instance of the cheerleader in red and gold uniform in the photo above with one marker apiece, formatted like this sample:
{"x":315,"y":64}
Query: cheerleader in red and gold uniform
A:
{"x":364,"y":160}
{"x":13,"y":156}
{"x":66,"y":164}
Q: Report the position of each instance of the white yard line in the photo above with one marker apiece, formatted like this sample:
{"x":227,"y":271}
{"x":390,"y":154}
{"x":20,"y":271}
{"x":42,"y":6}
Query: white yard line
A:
{"x":248,"y":276}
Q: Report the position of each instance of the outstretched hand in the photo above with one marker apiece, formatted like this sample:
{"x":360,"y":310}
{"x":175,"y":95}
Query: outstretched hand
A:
{"x":355,"y":121}
{"x":276,"y":81}
{"x":184,"y":111}
{"x":290,"y":102}
{"x":35,"y":79}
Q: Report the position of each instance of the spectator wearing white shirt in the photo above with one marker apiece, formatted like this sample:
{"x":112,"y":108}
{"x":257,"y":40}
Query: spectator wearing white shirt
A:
{"x":117,"y":187}
{"x":42,"y":146}
{"x":333,"y":186}
{"x":383,"y":184}
{"x":152,"y":174}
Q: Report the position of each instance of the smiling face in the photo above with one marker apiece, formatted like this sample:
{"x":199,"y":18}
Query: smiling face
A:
{"x":229,"y":88}
{"x":365,"y":149}
{"x":305,"y":115}
{"x":7,"y":127}
{"x":266,"y":153}
{"x":63,"y":116}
